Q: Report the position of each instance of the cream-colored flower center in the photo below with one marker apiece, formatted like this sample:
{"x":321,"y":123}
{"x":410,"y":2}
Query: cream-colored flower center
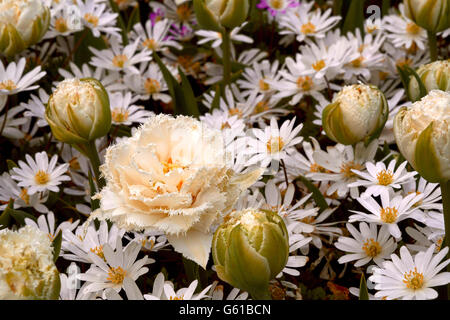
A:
{"x":90,"y":18}
{"x":385,"y":177}
{"x":346,"y":169}
{"x":119,"y":60}
{"x":277,"y":4}
{"x":412,"y":28}
{"x":169,"y":165}
{"x":305,"y":83}
{"x":150,"y":44}
{"x":116,"y":275}
{"x":98,"y":251}
{"x":41,"y":177}
{"x":319,"y":65}
{"x":8,"y":85}
{"x":61,"y":25}
{"x":263,"y":86}
{"x":308,"y":28}
{"x":413,"y":279}
{"x":118,"y":115}
{"x":275,"y":144}
{"x":152,"y":86}
{"x":24,"y":196}
{"x":388,"y":214}
{"x":184,"y":12}
{"x":372,"y":248}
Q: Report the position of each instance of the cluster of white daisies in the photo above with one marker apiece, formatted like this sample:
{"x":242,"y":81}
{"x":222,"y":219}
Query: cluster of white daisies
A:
{"x":390,"y":217}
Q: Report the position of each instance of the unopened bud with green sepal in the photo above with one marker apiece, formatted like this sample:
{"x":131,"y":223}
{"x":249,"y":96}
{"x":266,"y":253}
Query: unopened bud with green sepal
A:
{"x":219,"y":14}
{"x":422,"y":133}
{"x":434,"y":76}
{"x":432,"y":15}
{"x":78,"y":111}
{"x":358,"y":113}
{"x":249,"y":249}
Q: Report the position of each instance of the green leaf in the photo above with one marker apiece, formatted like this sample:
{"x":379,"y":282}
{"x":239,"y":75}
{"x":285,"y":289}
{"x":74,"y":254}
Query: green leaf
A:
{"x":135,"y":17}
{"x":20,"y":216}
{"x":355,"y":17}
{"x":120,"y":22}
{"x":11,"y":164}
{"x":406,"y":74}
{"x":172,"y":83}
{"x":316,"y":194}
{"x":5,"y":217}
{"x":84,"y":40}
{"x":57,"y":245}
{"x":189,"y":101}
{"x":95,"y":204}
{"x":216,"y":101}
{"x":386,"y":4}
{"x":363,"y":292}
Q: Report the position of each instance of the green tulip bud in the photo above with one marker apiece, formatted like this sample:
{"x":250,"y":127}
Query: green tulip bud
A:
{"x":249,"y":249}
{"x":27,"y":270}
{"x":217,"y":14}
{"x":78,"y":111}
{"x":422,"y":133}
{"x":22,"y":24}
{"x":432,"y":15}
{"x":434,"y":76}
{"x":359,"y":112}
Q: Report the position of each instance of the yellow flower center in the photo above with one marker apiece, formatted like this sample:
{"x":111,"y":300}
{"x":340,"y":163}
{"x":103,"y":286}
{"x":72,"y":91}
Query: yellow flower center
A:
{"x":319,"y":65}
{"x":74,"y":164}
{"x":385,"y":177}
{"x":177,"y":298}
{"x":412,"y":28}
{"x":61,"y":25}
{"x":275,"y":144}
{"x":235,"y":112}
{"x":184,"y":12}
{"x":151,"y":44}
{"x":308,"y":28}
{"x":357,"y":63}
{"x":90,"y":18}
{"x":277,"y":4}
{"x":152,"y":86}
{"x":188,"y":64}
{"x":24,"y":196}
{"x":116,"y":275}
{"x":119,"y":60}
{"x":317,"y":168}
{"x":169,"y":165}
{"x":263,"y":86}
{"x":7,"y":85}
{"x":372,"y":248}
{"x":225,"y":125}
{"x":118,"y":115}
{"x":42,"y":177}
{"x":305,"y":83}
{"x":388,"y":215}
{"x":371,"y":29}
{"x":98,"y":251}
{"x":347,"y":167}
{"x":261,"y":107}
{"x":413,"y":279}
{"x":404,"y":62}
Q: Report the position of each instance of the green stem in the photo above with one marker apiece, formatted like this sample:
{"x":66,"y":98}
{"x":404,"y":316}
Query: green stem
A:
{"x":432,"y":43}
{"x":226,"y":49}
{"x":90,"y":151}
{"x":445,"y":191}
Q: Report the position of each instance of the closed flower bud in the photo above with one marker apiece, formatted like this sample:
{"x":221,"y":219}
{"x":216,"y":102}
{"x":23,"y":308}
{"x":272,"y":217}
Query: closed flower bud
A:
{"x":249,"y":249}
{"x":432,"y":15}
{"x":434,"y":76}
{"x":78,"y":111}
{"x":27,"y":270}
{"x":422,"y":132}
{"x":22,"y":24}
{"x":359,"y":112}
{"x":216,"y":14}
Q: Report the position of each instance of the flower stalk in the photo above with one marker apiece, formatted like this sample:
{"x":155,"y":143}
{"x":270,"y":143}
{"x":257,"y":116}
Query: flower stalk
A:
{"x":432,"y":44}
{"x":226,"y":50}
{"x":445,"y":191}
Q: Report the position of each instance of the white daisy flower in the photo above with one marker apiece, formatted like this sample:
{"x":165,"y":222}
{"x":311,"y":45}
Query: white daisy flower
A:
{"x":119,"y":58}
{"x":273,"y":143}
{"x":118,"y":270}
{"x":424,"y":237}
{"x":217,"y":293}
{"x":216,"y":37}
{"x":11,"y":125}
{"x":39,"y":174}
{"x":366,"y":245}
{"x":155,"y":35}
{"x":123,"y":112}
{"x":149,"y":239}
{"x":12,"y":79}
{"x":391,"y":211}
{"x":36,"y":107}
{"x":181,"y":13}
{"x":46,"y":223}
{"x":164,"y":290}
{"x":98,"y":17}
{"x":378,"y":177}
{"x":411,"y":278}
{"x":256,"y":78}
{"x":431,"y":194}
